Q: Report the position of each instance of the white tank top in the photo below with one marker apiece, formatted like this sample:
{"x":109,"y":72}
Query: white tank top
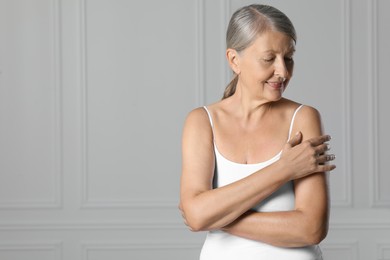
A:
{"x":224,"y":246}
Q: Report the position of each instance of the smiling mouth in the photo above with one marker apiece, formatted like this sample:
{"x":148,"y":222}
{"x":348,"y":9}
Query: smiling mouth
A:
{"x":276,"y":85}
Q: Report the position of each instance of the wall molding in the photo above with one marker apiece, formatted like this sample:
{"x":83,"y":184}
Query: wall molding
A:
{"x":226,"y":72}
{"x":56,"y":160}
{"x":375,"y":196}
{"x":35,"y":246}
{"x":148,"y":246}
{"x":346,"y":202}
{"x":84,"y":105}
{"x":90,"y":203}
{"x":130,"y":203}
{"x":120,"y":245}
{"x":383,"y":247}
{"x":350,"y":246}
{"x":366,"y":224}
{"x":102,"y":225}
{"x":200,"y":53}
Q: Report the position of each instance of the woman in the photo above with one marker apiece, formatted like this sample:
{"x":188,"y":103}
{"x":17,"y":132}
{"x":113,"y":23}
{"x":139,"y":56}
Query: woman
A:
{"x":260,"y":191}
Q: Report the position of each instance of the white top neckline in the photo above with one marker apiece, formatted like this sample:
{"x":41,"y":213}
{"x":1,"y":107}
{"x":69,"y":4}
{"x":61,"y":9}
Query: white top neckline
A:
{"x":272,"y":159}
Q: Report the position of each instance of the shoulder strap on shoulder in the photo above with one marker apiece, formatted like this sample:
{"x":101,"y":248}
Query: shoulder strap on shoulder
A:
{"x":292,"y":121}
{"x":210,"y":118}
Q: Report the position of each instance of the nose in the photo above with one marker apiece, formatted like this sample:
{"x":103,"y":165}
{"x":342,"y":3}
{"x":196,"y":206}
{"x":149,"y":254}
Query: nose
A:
{"x":281,"y":68}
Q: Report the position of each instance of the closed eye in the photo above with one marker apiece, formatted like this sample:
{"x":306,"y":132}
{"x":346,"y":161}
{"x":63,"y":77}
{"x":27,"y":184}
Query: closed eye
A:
{"x":269,"y":60}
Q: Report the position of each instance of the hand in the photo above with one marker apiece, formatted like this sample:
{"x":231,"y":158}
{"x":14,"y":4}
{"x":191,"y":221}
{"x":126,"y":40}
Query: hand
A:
{"x":307,"y":157}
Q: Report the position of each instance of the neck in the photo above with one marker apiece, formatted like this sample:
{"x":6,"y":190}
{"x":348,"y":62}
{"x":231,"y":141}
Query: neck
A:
{"x":248,"y":105}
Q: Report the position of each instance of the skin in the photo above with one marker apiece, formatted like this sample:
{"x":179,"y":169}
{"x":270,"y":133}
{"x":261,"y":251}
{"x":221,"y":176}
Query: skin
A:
{"x":250,"y":127}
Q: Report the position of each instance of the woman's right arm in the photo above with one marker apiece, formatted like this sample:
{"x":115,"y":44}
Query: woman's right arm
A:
{"x":205,"y":208}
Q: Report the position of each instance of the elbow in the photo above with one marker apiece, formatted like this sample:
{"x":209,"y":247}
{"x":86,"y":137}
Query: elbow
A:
{"x":315,"y":233}
{"x":315,"y":239}
{"x":196,"y":227}
{"x":193,"y":218}
{"x":195,"y":223}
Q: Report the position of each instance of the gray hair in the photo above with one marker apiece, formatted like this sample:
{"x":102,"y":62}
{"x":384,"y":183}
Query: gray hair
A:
{"x":247,"y":23}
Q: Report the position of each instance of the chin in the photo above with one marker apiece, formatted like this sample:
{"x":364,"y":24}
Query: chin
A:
{"x":276,"y":96}
{"x":272,"y":98}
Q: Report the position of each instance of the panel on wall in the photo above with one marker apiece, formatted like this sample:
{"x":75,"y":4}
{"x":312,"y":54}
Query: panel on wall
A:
{"x":323,"y":81}
{"x":383,"y":250}
{"x":31,"y":250}
{"x":381,"y":187}
{"x":149,"y":250}
{"x":340,"y":250}
{"x":216,"y":69}
{"x":139,"y":84}
{"x":30,"y":143}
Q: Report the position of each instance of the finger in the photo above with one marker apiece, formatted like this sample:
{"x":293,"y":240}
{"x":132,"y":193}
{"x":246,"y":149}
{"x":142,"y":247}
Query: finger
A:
{"x":315,"y":141}
{"x":321,"y":159}
{"x":297,"y":139}
{"x":326,"y":167}
{"x":321,"y":149}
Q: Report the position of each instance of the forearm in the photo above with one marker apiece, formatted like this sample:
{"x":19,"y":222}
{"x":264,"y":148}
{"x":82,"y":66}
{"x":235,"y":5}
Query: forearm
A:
{"x":216,"y":208}
{"x":285,"y":228}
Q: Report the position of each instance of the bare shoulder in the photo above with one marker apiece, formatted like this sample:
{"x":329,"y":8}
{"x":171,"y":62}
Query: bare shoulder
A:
{"x":304,"y":115}
{"x":197,"y":125}
{"x":308,"y":115}
{"x":308,"y":121}
{"x":197,"y":116}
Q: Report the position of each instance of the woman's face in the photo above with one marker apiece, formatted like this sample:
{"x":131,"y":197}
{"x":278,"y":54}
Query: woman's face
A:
{"x":266,"y":66}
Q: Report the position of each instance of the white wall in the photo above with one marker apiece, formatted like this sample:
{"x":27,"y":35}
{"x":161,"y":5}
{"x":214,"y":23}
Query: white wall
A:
{"x":93,"y":94}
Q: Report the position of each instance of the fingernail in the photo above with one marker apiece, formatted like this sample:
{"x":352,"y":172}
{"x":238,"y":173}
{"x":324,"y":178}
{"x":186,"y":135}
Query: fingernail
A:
{"x":329,"y":137}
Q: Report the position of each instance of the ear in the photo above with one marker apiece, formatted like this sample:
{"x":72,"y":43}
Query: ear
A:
{"x":234,"y":60}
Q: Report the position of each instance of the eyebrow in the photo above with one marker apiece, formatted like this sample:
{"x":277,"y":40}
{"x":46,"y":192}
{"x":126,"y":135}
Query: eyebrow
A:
{"x":290,"y":50}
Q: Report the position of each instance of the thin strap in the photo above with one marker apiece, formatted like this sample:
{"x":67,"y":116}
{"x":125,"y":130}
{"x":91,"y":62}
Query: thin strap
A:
{"x":210,"y":118}
{"x":292,"y":121}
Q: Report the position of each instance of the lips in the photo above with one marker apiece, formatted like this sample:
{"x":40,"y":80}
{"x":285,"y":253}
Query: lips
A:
{"x":276,"y":85}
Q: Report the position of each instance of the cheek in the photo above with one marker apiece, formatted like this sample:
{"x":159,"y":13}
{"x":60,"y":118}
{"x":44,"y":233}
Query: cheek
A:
{"x":252,"y":70}
{"x":263,"y":72}
{"x":256,"y":72}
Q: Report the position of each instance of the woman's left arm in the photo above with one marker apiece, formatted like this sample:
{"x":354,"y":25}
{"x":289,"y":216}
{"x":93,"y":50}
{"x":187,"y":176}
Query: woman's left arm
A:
{"x":307,"y":224}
